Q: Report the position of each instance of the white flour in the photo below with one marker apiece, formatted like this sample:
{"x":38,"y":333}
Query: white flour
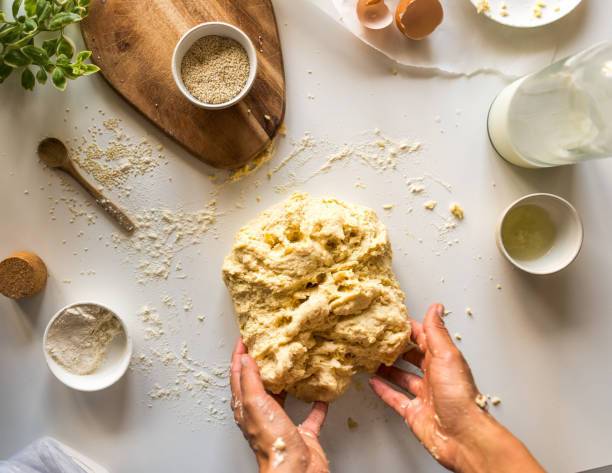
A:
{"x":79,"y":337}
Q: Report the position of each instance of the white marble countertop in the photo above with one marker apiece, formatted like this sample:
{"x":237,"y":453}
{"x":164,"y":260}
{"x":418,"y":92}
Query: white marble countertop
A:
{"x":539,"y":343}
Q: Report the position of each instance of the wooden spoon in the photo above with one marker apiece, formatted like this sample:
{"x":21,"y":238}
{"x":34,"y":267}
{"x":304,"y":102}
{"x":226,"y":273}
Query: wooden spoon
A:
{"x":55,"y":155}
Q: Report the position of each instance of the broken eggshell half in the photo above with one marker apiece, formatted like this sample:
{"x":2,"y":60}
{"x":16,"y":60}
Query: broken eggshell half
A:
{"x":417,"y":19}
{"x":374,"y":14}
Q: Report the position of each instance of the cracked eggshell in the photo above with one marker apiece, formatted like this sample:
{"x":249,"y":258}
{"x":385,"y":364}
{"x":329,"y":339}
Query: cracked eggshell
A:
{"x":417,"y":19}
{"x":374,"y":14}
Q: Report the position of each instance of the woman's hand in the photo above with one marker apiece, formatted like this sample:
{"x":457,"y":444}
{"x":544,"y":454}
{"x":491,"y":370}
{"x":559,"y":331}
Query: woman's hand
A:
{"x":447,"y":412}
{"x":278,"y":444}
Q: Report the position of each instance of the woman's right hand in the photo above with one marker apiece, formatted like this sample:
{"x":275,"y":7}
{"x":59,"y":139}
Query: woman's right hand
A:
{"x":446,"y":413}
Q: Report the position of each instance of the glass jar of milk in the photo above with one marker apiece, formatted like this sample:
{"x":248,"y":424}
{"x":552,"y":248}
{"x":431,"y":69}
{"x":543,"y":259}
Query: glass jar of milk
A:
{"x":560,"y":115}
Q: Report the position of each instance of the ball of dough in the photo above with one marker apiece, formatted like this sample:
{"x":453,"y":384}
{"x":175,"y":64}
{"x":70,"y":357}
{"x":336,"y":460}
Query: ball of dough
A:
{"x":315,"y":295}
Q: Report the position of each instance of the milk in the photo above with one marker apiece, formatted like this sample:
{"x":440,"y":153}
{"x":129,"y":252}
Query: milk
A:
{"x":560,"y":115}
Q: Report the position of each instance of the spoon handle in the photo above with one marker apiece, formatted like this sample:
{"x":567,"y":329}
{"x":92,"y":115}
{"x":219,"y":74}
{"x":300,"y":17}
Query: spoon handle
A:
{"x":113,"y":210}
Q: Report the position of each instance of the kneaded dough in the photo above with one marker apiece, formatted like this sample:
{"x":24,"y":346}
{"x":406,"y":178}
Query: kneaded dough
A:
{"x":315,"y":295}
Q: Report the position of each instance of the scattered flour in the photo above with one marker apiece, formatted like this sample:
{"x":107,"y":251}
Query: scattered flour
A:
{"x":154,"y":328}
{"x":161,"y":234}
{"x":195,"y":388}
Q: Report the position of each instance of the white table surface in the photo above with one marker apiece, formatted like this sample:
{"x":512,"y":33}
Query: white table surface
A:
{"x":540,"y":343}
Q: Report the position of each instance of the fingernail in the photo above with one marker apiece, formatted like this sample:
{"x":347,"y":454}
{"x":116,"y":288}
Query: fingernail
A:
{"x":440,"y":310}
{"x":244,"y":360}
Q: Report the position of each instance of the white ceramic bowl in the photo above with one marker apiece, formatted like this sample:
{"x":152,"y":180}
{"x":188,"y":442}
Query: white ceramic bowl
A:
{"x":216,"y":29}
{"x":114,"y":366}
{"x":568,"y":239}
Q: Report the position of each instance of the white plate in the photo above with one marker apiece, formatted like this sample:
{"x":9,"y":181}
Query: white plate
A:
{"x":521,"y":13}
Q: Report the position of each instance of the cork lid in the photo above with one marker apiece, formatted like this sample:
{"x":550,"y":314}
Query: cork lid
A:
{"x":22,"y":274}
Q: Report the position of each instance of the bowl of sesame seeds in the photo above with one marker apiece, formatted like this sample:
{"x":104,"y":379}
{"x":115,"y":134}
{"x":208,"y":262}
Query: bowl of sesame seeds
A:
{"x":214,"y":65}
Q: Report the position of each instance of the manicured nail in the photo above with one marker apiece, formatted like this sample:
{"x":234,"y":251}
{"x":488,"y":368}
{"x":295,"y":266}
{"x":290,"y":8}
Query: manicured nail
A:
{"x":244,"y":359}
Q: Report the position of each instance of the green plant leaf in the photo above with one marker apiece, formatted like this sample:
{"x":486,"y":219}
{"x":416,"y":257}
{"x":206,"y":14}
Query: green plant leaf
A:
{"x":16,"y":7}
{"x":16,"y":58}
{"x":80,"y":69}
{"x":50,"y":45}
{"x":84,"y":3}
{"x":40,"y":5}
{"x":89,"y":69}
{"x":62,"y":60}
{"x":6,"y":33}
{"x":30,"y":7}
{"x":59,"y":79}
{"x":63,"y":19}
{"x":37,"y":55}
{"x":65,"y":47}
{"x":23,"y":41}
{"x":45,"y":13}
{"x":41,"y":76}
{"x":27,"y":79}
{"x":30,"y":25}
{"x":83,"y":56}
{"x":2,"y":17}
{"x":5,"y":71}
{"x":69,"y":73}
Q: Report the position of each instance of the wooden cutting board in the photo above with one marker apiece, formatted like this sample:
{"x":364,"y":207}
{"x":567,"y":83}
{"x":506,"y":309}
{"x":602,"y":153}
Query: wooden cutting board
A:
{"x":133,"y":41}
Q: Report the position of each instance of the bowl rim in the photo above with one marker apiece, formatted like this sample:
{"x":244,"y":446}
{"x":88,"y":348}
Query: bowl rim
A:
{"x":518,"y":264}
{"x":52,"y":363}
{"x":525,"y":26}
{"x":252,"y":63}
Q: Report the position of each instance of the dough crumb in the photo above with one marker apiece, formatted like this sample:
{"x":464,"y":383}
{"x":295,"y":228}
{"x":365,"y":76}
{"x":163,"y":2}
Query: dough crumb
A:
{"x":457,"y":211}
{"x":481,"y":401}
{"x":278,"y":449}
{"x":279,"y":444}
{"x":458,"y":337}
{"x":351,"y":423}
{"x":483,"y":6}
{"x":430,"y":204}
{"x":416,"y":188}
{"x":495,"y":400}
{"x":468,"y":311}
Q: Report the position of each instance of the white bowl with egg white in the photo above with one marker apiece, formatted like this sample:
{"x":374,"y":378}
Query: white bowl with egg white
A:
{"x":113,"y":366}
{"x":566,"y":243}
{"x":213,"y":28}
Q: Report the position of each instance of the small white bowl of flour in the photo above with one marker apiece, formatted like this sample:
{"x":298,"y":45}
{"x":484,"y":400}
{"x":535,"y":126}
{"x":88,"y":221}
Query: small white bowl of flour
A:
{"x":87,"y":346}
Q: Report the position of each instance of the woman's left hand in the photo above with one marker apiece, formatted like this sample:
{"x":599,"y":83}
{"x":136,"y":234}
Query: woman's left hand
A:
{"x":279,"y":445}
